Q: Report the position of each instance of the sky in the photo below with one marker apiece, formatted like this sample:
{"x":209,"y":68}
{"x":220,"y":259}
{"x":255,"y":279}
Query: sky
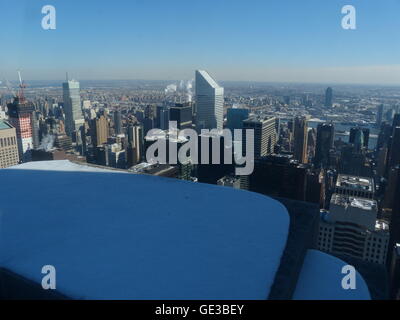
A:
{"x":252,"y":40}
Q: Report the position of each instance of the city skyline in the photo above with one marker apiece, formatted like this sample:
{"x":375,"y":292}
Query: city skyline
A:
{"x":261,"y":41}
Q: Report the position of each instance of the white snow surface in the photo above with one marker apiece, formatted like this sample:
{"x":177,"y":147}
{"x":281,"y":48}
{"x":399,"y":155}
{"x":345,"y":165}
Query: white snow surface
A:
{"x":321,"y":279}
{"x":126,"y":236}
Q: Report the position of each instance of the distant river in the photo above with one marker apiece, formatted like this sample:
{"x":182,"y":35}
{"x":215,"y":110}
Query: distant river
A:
{"x":343,"y":132}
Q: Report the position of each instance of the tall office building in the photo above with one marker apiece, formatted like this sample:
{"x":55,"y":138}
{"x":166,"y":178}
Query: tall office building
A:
{"x":117,"y":122}
{"x":325,"y":137}
{"x":329,"y":97}
{"x":264,"y":135}
{"x":209,"y":102}
{"x":182,"y":114}
{"x":162,"y":119}
{"x":300,"y":139}
{"x":8,"y":145}
{"x":379,"y":114}
{"x":72,"y":107}
{"x":20,"y":113}
{"x":99,"y":131}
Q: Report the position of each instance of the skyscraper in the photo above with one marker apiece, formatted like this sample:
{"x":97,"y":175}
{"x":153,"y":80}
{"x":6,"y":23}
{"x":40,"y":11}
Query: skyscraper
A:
{"x":329,"y":97}
{"x":99,"y":130}
{"x":20,"y":114}
{"x":325,"y":137}
{"x":264,"y":135}
{"x":135,"y":145}
{"x":117,"y":122}
{"x":379,"y":114}
{"x":300,"y":139}
{"x":209,"y":102}
{"x":359,"y":137}
{"x":72,"y":107}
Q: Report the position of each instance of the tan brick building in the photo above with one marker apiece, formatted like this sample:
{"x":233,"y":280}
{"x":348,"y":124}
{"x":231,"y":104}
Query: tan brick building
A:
{"x":8,"y":145}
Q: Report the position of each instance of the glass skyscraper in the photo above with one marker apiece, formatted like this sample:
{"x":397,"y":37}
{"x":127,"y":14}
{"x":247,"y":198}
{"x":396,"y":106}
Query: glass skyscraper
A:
{"x":72,"y":106}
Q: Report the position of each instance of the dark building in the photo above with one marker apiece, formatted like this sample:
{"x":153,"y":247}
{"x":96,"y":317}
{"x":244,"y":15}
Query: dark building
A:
{"x":325,"y":137}
{"x":394,"y":151}
{"x":329,"y":97}
{"x":211,"y":173}
{"x":235,"y":118}
{"x":280,"y":176}
{"x":117,"y":122}
{"x":182,"y":114}
{"x":394,"y":273}
{"x":359,"y":137}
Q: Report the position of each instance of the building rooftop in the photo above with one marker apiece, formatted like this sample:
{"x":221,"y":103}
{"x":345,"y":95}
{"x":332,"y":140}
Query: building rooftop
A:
{"x":356,"y":202}
{"x":354,"y":182}
{"x":4,"y":125}
{"x":208,"y":78}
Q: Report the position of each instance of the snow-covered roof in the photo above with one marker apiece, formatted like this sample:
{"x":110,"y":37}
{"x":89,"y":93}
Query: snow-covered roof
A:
{"x":321,"y":279}
{"x":125,"y":236}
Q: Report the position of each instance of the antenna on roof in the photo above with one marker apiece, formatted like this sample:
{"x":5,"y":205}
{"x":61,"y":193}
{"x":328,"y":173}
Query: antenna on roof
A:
{"x":66,"y":75}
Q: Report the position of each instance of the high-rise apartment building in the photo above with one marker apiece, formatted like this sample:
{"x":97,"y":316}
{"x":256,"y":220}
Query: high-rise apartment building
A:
{"x":8,"y":145}
{"x":209,"y":102}
{"x":264,"y":135}
{"x":300,"y":139}
{"x":72,"y":107}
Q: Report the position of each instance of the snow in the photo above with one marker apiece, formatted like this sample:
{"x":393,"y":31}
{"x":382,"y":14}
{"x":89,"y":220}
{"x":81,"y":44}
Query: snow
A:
{"x":58,"y":165}
{"x":126,"y":236}
{"x":321,"y":279}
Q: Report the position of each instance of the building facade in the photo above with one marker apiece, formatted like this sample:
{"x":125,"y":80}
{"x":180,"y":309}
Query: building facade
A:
{"x":8,"y":145}
{"x":209,"y":102}
{"x":72,"y":107}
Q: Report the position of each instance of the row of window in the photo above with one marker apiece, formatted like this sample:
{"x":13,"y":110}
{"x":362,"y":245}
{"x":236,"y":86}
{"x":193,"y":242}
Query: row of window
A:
{"x":8,"y":141}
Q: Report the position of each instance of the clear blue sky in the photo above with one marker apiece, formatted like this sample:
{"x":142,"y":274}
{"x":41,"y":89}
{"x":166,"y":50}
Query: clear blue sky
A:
{"x":271,"y":40}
